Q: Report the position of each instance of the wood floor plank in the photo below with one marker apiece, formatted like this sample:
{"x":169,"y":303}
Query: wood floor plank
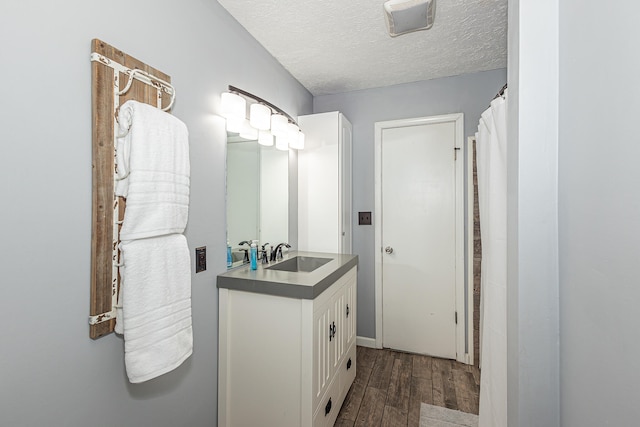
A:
{"x":372,"y":409}
{"x":476,"y":374}
{"x":363,"y":373}
{"x":366,"y":356}
{"x":438,"y":386}
{"x":450,"y":398}
{"x":343,"y":423}
{"x":393,"y":417}
{"x":421,"y":391}
{"x":353,"y":400}
{"x":466,"y":396}
{"x":400,"y":382}
{"x":421,"y":366}
{"x":381,"y":373}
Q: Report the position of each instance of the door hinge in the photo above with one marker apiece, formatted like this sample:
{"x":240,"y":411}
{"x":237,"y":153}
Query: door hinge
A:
{"x":455,"y":153}
{"x":456,"y":317}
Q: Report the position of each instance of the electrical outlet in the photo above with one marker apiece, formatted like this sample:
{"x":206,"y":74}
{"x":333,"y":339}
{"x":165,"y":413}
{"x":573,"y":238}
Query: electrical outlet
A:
{"x":364,"y":218}
{"x":201,"y":259}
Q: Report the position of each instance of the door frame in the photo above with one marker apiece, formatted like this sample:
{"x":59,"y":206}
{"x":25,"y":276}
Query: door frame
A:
{"x":463,"y":315}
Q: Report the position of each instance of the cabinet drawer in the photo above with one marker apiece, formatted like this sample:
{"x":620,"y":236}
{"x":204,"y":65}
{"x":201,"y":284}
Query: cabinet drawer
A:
{"x":327,"y":412}
{"x":347,"y":372}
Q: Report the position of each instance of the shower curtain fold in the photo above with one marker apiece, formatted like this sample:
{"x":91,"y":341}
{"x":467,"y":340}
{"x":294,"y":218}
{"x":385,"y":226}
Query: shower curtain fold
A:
{"x":491,"y":156}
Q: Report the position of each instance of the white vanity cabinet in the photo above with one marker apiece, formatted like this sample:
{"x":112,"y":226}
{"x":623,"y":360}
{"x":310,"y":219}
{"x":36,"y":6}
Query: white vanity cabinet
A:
{"x":334,"y":349}
{"x":324,"y":184}
{"x":286,"y":361}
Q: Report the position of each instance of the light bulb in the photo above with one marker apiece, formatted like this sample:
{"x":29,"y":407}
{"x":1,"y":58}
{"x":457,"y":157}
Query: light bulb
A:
{"x":265,"y":138}
{"x":247,"y":132}
{"x":260,"y":116}
{"x":233,"y":106}
{"x":292,"y":134}
{"x":279,"y":125}
{"x":299,"y":142}
{"x":234,"y":125}
{"x":282,"y":142}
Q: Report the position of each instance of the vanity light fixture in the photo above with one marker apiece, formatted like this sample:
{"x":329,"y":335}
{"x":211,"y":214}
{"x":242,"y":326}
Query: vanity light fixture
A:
{"x":282,"y":142}
{"x":234,"y":124}
{"x":248,"y":132}
{"x":298,"y":143}
{"x":260,"y":116}
{"x":279,"y":125}
{"x":233,"y":106}
{"x":266,"y":121}
{"x":292,"y":134}
{"x":265,"y":138}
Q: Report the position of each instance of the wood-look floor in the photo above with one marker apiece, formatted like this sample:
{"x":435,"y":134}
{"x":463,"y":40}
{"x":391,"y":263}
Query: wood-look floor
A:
{"x":390,"y":385}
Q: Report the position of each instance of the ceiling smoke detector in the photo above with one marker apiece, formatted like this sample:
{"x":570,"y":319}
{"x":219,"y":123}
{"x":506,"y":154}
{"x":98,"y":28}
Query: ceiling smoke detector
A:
{"x":405,"y":16}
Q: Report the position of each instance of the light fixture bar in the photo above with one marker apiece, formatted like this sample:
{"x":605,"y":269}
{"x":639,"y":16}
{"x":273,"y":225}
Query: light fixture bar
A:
{"x":262,"y":101}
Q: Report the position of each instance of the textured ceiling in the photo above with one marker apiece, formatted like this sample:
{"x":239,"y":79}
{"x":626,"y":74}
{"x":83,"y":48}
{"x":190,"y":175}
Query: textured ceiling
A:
{"x":334,"y":46}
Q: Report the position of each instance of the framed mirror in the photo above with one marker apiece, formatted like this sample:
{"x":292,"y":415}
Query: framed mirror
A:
{"x":257,"y":195}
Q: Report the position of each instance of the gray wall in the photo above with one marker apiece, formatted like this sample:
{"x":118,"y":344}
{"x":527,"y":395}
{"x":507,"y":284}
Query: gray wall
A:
{"x":469,"y":94}
{"x":51,"y":372}
{"x":599,"y":214}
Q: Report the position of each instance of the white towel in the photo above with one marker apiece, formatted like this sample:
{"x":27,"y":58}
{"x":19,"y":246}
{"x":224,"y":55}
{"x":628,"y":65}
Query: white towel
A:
{"x":152,"y":156}
{"x":155,"y":305}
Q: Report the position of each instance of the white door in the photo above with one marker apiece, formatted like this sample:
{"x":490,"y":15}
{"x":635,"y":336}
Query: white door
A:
{"x":419,"y":238}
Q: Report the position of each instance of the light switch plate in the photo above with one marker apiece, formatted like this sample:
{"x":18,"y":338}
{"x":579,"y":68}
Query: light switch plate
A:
{"x":364,"y":218}
{"x":201,"y":259}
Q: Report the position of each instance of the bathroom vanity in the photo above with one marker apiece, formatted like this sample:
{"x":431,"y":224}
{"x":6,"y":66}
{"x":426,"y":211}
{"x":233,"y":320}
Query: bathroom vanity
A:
{"x":287,"y":341}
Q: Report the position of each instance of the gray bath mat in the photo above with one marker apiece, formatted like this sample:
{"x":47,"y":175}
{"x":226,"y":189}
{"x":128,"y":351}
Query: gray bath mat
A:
{"x":436,"y":416}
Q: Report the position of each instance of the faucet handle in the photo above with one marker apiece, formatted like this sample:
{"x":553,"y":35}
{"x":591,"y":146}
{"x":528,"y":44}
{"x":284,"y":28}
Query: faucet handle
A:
{"x":279,"y":249}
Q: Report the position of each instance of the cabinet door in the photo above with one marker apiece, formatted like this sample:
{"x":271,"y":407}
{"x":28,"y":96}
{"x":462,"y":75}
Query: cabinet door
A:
{"x":322,"y":351}
{"x":348,"y":313}
{"x":325,"y":184}
{"x":318,"y":184}
{"x":345,"y":188}
{"x":339,"y":328}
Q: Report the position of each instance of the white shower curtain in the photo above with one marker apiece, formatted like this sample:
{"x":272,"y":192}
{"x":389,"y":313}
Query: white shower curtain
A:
{"x":491,"y":157}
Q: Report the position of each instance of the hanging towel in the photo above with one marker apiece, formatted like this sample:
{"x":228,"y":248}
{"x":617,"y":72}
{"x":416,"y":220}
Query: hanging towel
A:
{"x":154,"y":311}
{"x":152,"y":157}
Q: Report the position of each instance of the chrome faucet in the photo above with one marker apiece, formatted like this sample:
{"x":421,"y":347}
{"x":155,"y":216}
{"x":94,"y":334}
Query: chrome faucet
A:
{"x":265,"y":259}
{"x":277,"y":252}
{"x":246,"y":251}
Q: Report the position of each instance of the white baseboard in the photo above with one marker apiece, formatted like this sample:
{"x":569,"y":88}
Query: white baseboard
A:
{"x":366,"y":342}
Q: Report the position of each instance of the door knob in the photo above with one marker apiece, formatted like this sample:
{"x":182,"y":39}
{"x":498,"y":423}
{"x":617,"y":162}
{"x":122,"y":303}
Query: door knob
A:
{"x":388,"y":250}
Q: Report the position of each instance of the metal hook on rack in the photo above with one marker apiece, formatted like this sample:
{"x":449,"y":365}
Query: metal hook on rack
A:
{"x":152,"y":80}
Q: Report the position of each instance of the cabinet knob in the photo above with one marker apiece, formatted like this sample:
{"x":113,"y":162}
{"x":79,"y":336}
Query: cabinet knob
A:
{"x":327,"y":408}
{"x":349,"y":364}
{"x":347,"y":310}
{"x":388,"y":250}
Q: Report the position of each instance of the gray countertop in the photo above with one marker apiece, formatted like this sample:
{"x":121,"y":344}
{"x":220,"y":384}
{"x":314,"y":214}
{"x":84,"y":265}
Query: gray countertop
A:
{"x":286,"y":283}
